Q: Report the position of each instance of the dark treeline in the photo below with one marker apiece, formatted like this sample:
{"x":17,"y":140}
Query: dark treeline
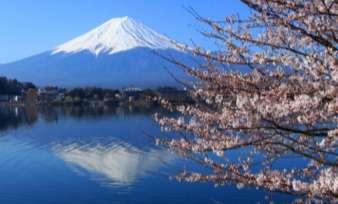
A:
{"x":15,"y":92}
{"x":13,"y":86}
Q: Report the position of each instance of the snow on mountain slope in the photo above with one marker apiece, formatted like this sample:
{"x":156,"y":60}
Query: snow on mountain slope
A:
{"x":118,"y":34}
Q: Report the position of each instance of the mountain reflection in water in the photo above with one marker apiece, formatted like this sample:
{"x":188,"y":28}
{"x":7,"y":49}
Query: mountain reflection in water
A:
{"x":119,"y":162}
{"x":100,"y":155}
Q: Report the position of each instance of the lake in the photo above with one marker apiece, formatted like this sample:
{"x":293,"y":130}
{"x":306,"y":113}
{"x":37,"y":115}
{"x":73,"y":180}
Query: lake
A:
{"x":98,"y":155}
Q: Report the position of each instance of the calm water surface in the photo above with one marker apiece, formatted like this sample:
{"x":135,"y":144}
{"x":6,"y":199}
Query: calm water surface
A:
{"x":76,"y":155}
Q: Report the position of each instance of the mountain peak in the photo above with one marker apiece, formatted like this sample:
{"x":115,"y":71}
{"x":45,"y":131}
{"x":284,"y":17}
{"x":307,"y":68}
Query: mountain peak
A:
{"x":118,"y":21}
{"x":116,"y":35}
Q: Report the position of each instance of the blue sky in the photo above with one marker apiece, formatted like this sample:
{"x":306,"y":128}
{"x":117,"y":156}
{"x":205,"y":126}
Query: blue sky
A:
{"x":28,"y":27}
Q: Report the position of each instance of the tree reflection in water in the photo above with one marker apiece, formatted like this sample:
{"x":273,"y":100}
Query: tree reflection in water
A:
{"x":14,"y":117}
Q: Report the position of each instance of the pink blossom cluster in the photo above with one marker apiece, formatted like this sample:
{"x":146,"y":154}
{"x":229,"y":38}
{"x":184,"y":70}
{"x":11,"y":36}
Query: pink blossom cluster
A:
{"x":287,"y":104}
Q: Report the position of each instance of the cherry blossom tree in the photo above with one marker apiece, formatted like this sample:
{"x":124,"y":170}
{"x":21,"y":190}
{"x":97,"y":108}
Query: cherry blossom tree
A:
{"x":284,"y":107}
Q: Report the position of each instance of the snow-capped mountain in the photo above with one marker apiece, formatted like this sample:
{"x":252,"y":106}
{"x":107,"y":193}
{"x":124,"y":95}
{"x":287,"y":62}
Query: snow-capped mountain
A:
{"x":116,"y":35}
{"x":121,"y":52}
